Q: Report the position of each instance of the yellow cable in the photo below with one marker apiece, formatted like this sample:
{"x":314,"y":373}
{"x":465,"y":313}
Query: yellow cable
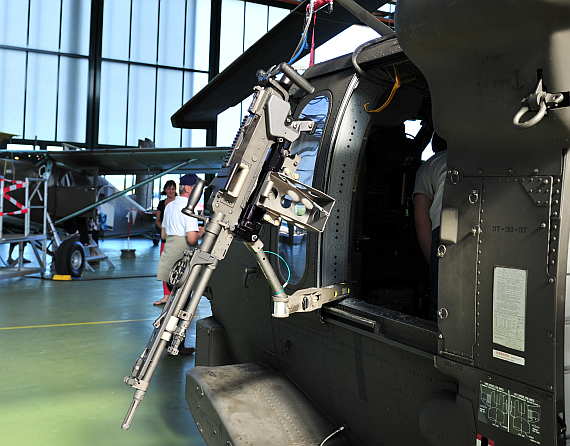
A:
{"x":397,"y":85}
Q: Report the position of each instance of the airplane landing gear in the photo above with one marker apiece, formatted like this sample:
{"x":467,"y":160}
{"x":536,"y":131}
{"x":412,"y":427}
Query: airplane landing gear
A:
{"x":70,"y":258}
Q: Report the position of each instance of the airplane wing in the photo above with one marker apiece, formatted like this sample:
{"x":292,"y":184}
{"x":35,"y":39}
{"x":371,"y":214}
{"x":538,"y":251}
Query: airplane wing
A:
{"x":4,"y":136}
{"x":137,"y":160}
{"x":236,"y":82}
{"x":145,"y":160}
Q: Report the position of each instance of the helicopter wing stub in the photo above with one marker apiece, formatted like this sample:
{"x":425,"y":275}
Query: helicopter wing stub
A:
{"x":236,"y":82}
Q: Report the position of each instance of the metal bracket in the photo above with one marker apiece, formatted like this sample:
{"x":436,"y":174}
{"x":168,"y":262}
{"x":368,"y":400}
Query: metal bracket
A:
{"x":181,"y":269}
{"x":311,"y":299}
{"x":453,"y":176}
{"x":539,"y":189}
{"x":278,"y":116}
{"x":294,"y":201}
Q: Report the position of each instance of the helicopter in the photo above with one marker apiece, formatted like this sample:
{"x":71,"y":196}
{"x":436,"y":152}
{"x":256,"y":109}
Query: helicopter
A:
{"x":319,"y":333}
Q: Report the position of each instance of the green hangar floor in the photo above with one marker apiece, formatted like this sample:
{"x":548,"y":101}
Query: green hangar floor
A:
{"x":66,"y":346}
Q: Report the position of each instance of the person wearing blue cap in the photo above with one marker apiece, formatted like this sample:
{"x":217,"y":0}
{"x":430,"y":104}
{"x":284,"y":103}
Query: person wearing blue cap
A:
{"x":181,"y":232}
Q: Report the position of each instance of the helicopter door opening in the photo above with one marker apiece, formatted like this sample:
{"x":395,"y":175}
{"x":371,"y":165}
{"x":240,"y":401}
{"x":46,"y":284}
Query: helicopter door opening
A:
{"x":387,"y":262}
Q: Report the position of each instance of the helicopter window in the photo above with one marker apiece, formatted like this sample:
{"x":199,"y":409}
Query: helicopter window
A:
{"x":293,"y":240}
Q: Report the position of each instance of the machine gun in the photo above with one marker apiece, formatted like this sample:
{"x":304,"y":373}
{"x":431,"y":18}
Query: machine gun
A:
{"x":256,"y":184}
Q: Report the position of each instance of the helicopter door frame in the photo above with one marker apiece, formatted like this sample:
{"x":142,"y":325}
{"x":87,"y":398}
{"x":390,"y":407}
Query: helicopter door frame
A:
{"x":294,"y":243}
{"x":348,"y":140}
{"x":336,"y":87}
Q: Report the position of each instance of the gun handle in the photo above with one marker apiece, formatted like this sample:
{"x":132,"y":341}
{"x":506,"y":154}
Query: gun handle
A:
{"x":194,"y":197}
{"x":296,"y":78}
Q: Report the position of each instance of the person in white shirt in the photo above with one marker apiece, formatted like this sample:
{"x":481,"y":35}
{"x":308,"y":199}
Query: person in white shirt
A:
{"x":180,"y":231}
{"x":427,"y":196}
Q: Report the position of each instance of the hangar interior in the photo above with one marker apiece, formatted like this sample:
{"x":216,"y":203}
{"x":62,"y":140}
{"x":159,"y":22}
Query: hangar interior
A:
{"x":106,"y":75}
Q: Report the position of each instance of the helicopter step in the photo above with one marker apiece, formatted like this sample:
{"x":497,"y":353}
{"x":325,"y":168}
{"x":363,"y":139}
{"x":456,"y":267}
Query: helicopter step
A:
{"x":226,"y":405}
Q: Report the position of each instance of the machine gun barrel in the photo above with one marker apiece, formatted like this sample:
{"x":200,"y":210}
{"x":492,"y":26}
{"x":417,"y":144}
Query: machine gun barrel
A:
{"x":178,"y":313}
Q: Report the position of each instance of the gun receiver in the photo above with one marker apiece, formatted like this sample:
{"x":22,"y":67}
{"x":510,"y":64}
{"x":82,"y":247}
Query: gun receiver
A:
{"x":257,"y":174}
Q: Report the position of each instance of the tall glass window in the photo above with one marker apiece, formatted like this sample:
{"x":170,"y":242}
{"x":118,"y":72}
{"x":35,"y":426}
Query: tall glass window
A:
{"x":172,"y":21}
{"x":163,"y":47}
{"x":116,"y":29}
{"x":75,"y":26}
{"x":193,"y":83}
{"x":72,"y":104}
{"x":169,"y":86}
{"x":155,"y":56}
{"x":113,"y":106}
{"x":44,"y":47}
{"x":197,"y":42}
{"x":144,"y":29}
{"x":293,"y":240}
{"x":12,"y":91}
{"x":243,"y":24}
{"x":13,"y":22}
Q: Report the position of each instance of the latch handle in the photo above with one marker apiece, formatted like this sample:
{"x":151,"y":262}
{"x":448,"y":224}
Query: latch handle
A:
{"x":247,"y":271}
{"x":449,"y":225}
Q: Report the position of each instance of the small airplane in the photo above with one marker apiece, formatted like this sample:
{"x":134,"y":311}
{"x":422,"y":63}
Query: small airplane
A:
{"x":319,"y":333}
{"x":75,"y":187}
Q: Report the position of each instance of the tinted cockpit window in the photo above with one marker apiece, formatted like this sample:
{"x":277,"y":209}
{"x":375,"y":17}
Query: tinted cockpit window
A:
{"x":293,"y":240}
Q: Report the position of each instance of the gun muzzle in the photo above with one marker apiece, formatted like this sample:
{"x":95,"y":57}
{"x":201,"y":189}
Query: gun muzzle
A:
{"x":137,"y":398}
